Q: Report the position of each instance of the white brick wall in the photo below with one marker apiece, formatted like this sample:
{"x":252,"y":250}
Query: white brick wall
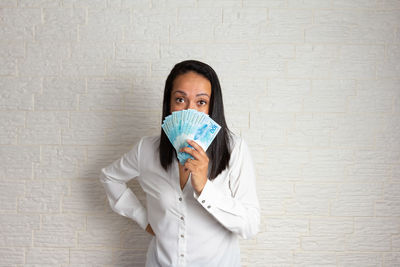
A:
{"x":313,"y":86}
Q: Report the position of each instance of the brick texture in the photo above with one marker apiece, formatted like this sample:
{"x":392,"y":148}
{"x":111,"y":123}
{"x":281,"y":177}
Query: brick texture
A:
{"x":313,"y":87}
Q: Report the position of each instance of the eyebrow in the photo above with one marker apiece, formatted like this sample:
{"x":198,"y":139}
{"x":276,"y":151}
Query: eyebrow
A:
{"x":179,"y":91}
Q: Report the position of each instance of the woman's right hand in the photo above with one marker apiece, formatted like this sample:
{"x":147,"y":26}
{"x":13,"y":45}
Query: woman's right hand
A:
{"x":149,"y":230}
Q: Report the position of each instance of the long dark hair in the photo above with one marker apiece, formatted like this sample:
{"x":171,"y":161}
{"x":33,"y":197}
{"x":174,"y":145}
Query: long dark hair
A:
{"x":219,"y":151}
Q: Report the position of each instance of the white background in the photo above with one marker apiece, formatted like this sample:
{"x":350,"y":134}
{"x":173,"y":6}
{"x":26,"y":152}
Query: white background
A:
{"x":312,"y":85}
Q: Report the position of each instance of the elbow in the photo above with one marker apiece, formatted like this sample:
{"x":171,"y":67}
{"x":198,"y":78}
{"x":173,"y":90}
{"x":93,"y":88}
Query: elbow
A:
{"x":251,"y":232}
{"x":102,"y":176}
{"x":113,"y":188}
{"x":252,"y":226}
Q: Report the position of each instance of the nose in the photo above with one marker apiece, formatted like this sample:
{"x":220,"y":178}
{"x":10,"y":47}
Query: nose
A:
{"x":191,"y":105}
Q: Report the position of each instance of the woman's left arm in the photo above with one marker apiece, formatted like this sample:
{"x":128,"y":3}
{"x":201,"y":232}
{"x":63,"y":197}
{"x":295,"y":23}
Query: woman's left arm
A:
{"x":239,"y":212}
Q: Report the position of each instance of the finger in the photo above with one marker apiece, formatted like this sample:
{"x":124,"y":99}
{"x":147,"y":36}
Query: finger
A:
{"x":196,"y":151}
{"x":189,"y":165}
{"x":195,"y":145}
{"x":192,"y":152}
{"x":191,"y":162}
{"x":198,"y":148}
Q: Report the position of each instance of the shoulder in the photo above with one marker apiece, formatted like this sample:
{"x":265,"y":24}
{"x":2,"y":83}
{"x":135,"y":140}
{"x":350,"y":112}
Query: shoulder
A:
{"x":149,"y":143}
{"x":150,"y":139}
{"x":144,"y":150}
{"x":241,"y":160}
{"x":239,"y":150}
{"x":236,"y":143}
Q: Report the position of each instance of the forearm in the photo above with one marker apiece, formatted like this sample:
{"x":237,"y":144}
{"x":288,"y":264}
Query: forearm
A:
{"x":124,"y":202}
{"x":239,"y":215}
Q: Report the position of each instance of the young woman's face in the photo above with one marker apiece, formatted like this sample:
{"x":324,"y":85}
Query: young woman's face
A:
{"x":191,"y":91}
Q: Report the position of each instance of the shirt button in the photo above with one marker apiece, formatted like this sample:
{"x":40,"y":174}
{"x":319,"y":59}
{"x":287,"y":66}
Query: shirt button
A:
{"x":203,"y":201}
{"x":182,"y":255}
{"x":182,"y":218}
{"x":182,"y":236}
{"x":208,"y":207}
{"x":180,"y":199}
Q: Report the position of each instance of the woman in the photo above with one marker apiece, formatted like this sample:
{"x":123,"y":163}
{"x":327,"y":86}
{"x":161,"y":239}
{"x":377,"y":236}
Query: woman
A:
{"x":195,"y":212}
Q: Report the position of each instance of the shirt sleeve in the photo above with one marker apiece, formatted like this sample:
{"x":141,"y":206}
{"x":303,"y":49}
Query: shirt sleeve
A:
{"x":240,"y":212}
{"x":121,"y":198}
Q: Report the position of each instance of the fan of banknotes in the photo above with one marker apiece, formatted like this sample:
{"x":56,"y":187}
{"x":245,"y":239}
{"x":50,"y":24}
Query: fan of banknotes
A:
{"x":189,"y":124}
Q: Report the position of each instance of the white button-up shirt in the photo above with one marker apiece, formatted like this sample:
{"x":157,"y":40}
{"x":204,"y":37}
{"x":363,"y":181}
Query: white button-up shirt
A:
{"x":190,"y":229}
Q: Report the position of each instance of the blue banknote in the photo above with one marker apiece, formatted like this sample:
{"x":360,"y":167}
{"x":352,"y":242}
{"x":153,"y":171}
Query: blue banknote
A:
{"x":189,"y":124}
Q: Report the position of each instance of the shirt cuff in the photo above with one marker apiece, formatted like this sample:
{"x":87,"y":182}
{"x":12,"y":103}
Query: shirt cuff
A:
{"x":208,"y":196}
{"x":128,"y":205}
